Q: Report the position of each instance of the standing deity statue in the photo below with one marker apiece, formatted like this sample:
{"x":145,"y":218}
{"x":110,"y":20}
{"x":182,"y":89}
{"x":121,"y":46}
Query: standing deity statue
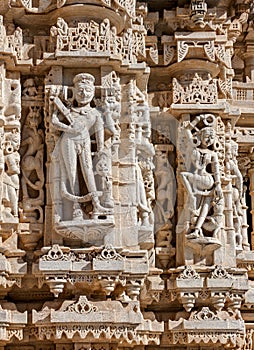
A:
{"x":202,"y":179}
{"x":165,"y":188}
{"x":73,"y":149}
{"x":165,"y":199}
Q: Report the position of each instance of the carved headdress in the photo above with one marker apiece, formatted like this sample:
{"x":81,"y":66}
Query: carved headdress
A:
{"x":84,"y":79}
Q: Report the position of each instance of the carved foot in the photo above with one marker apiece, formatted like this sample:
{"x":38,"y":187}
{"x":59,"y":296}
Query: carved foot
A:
{"x":98,"y":208}
{"x":196,"y":234}
{"x":192,"y":235}
{"x":108,"y":204}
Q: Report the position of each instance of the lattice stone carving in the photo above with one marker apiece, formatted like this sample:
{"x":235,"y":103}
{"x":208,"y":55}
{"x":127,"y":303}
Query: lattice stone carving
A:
{"x":198,"y":91}
{"x":99,"y":39}
{"x":169,"y":52}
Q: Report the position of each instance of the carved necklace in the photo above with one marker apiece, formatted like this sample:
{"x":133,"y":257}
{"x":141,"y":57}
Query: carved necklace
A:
{"x":82,"y":111}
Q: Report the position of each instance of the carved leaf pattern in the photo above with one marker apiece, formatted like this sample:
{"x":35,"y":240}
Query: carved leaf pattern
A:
{"x":225,"y":87}
{"x":182,"y":50}
{"x":153,"y":53}
{"x":210,"y":50}
{"x":221,"y":54}
{"x":109,"y":253}
{"x":169,"y":52}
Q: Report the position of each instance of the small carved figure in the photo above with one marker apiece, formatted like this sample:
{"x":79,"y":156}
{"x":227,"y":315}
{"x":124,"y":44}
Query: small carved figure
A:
{"x":165,"y":199}
{"x":202,"y":180}
{"x":233,"y":171}
{"x":30,"y":89}
{"x":144,"y":210}
{"x":10,"y":192}
{"x":248,"y":340}
{"x":73,"y":149}
{"x":32,"y":179}
{"x":62,"y":26}
{"x":103,"y":170}
{"x":165,"y":192}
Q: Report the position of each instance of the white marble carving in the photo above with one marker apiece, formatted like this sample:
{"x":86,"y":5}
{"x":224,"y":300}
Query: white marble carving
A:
{"x":32,"y":151}
{"x":126,"y":174}
{"x":205,"y":202}
{"x":73,"y":148}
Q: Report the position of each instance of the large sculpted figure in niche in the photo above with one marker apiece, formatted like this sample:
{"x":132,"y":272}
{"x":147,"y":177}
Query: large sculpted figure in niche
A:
{"x":73,"y":149}
{"x":202,"y":179}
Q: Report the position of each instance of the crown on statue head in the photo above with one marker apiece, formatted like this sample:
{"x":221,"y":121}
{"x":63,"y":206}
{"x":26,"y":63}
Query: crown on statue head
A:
{"x":84,"y":78}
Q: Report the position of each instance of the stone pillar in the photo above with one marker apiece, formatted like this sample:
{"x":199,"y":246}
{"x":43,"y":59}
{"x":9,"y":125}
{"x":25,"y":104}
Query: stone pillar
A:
{"x":251,"y":176}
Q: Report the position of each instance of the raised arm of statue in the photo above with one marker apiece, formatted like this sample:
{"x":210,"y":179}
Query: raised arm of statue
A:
{"x":60,"y":125}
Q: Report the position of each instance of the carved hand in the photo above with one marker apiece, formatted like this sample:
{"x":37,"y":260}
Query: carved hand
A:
{"x":218,"y":192}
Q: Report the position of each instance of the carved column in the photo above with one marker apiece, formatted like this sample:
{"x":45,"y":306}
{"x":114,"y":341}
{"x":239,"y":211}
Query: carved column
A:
{"x":251,"y":177}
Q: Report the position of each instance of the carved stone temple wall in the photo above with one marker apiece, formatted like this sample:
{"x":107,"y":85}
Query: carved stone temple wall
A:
{"x":126,"y":174}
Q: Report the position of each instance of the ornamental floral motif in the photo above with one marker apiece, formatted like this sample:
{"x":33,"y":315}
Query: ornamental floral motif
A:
{"x":82,"y":306}
{"x":188,"y":273}
{"x":220,"y":272}
{"x":204,"y":315}
{"x":56,"y":253}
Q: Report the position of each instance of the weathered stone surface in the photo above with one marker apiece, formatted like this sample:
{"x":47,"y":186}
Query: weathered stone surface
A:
{"x":126,"y":174}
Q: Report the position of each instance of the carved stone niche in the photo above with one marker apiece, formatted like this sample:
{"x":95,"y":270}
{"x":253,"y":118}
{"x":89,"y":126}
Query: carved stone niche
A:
{"x":80,"y":181}
{"x":163,"y":135}
{"x":204,"y":220}
{"x":165,"y":203}
{"x":32,"y":163}
{"x":100,"y":166}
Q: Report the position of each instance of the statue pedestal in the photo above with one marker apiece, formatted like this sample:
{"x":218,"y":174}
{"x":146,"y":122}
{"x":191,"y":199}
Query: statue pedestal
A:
{"x":88,"y":231}
{"x":200,"y":250}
